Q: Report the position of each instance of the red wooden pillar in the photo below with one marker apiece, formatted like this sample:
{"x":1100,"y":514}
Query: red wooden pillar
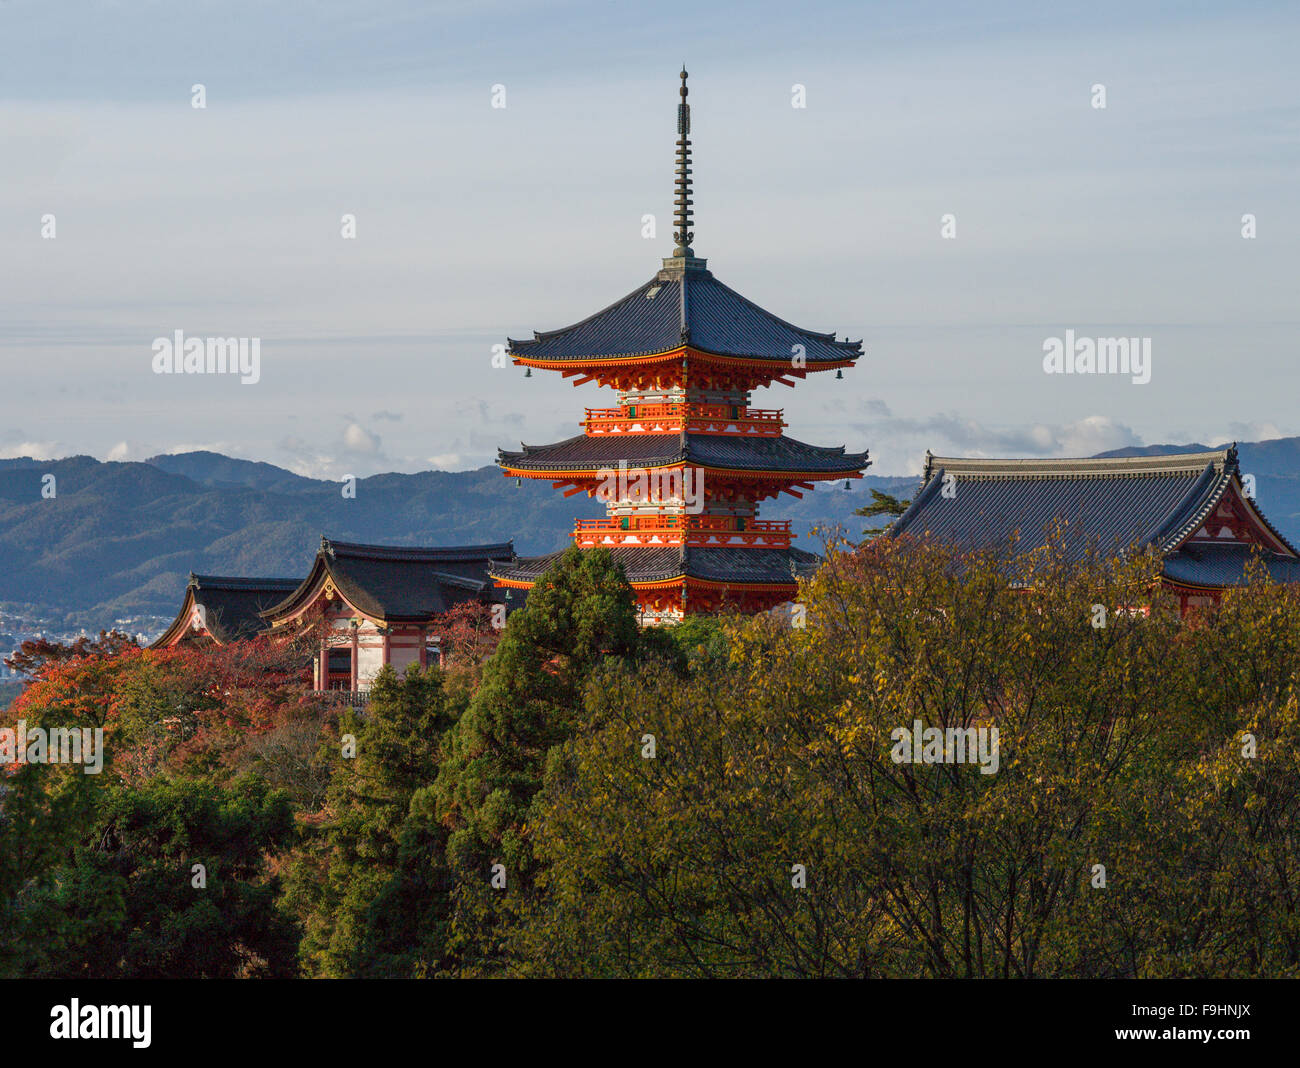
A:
{"x":323,"y":668}
{"x":356,"y":649}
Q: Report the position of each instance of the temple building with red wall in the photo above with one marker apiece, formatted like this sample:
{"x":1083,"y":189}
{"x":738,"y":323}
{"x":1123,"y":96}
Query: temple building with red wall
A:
{"x":1192,"y":509}
{"x":682,"y":461}
{"x":380,"y":604}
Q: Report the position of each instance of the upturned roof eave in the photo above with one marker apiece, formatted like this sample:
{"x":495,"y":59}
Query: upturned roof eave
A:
{"x":654,"y":347}
{"x":813,"y":475}
{"x":181,"y":621}
{"x":199,"y":585}
{"x":657,"y":355}
{"x":1186,"y":517}
{"x":299,"y":598}
{"x":826,"y":462}
{"x":546,"y":335}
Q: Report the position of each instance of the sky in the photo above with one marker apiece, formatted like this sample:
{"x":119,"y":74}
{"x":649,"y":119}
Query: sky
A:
{"x":475,"y":223}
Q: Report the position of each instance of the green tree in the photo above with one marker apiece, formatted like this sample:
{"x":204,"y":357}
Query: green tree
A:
{"x":882,"y":504}
{"x":701,"y":642}
{"x":580,"y":615}
{"x":359,"y":884}
{"x":128,"y":903}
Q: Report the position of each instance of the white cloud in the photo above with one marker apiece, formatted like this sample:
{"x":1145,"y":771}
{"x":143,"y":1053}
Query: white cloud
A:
{"x":1254,"y":431}
{"x":357,"y":439}
{"x":304,"y":459}
{"x":1087,"y":437}
{"x":947,"y":432}
{"x":898,"y":441}
{"x":37,"y":450}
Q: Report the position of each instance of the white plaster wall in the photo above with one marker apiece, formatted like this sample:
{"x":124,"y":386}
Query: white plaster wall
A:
{"x":369,"y":661}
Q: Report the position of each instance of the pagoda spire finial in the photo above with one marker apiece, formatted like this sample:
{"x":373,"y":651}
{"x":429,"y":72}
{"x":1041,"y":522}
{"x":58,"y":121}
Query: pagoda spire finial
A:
{"x":682,"y":215}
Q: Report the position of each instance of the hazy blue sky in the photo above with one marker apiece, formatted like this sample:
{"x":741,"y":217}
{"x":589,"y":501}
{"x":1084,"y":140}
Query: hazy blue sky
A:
{"x":476,"y":223}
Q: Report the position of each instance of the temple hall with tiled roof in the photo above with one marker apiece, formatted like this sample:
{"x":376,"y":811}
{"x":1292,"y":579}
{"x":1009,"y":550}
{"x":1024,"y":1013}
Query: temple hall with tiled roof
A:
{"x":1191,"y":508}
{"x":380,"y":603}
{"x":223,"y":609}
{"x":682,"y":462}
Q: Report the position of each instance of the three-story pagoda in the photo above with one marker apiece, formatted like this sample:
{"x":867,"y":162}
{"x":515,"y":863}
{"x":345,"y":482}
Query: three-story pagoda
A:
{"x":683,"y":461}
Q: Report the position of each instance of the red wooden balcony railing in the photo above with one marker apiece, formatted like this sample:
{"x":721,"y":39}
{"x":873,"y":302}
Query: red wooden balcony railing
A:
{"x":695,"y":418}
{"x":696,"y":530}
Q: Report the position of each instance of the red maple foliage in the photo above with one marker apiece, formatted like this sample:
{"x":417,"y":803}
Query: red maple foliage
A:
{"x":36,"y":654}
{"x":467,"y":633}
{"x":193,"y":707}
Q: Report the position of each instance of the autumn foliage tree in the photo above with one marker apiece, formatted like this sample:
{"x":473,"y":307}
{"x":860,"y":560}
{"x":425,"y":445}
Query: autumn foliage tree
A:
{"x":96,"y":869}
{"x":35,"y":655}
{"x":773,"y":833}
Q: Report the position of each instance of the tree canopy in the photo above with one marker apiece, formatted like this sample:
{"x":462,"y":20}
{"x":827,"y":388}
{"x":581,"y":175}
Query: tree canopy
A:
{"x":817,"y":791}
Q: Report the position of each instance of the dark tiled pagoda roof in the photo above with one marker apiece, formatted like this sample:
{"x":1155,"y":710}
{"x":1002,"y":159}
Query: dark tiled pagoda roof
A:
{"x":231,"y":605}
{"x":1111,"y":503}
{"x":641,"y":564}
{"x":678,"y":307}
{"x":400,"y":583}
{"x":737,"y":452}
